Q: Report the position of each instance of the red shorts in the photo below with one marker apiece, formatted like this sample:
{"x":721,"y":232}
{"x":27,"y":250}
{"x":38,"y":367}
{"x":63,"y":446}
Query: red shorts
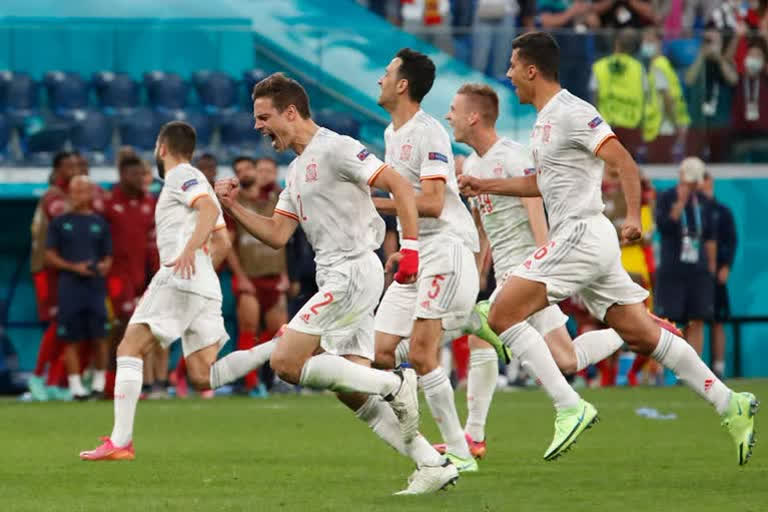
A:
{"x":269,"y":289}
{"x":123,"y":294}
{"x":45,"y":292}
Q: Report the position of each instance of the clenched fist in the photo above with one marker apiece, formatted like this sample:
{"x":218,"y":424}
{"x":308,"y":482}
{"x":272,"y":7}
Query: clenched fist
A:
{"x":226,"y":191}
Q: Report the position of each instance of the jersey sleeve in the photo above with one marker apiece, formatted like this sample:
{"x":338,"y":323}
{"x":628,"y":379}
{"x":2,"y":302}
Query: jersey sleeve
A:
{"x":285,"y":205}
{"x":436,"y":156}
{"x":356,"y":163}
{"x":588,"y":129}
{"x":187,"y":186}
{"x":520,"y":165}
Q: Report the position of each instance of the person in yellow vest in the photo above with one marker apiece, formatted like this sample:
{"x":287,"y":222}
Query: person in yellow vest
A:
{"x":666,"y":121}
{"x":618,"y":87}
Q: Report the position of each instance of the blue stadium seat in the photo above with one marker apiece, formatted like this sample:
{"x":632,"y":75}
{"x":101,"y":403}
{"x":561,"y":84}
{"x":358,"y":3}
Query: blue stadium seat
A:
{"x":18,"y":96}
{"x":339,"y":122}
{"x":166,"y":90}
{"x":251,"y":78}
{"x":198,"y":119}
{"x":239,"y":136}
{"x":118,"y":93}
{"x":91,"y":135}
{"x":42,"y":137}
{"x":139,"y":130}
{"x":67,"y":91}
{"x":217,"y":91}
{"x":682,"y":52}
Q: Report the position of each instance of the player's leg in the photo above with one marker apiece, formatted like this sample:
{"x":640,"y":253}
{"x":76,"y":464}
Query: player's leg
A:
{"x":72,"y":364}
{"x":722,"y":314}
{"x":481,"y":384}
{"x":393,"y":323}
{"x":276,"y":305}
{"x":248,"y":322}
{"x":97,"y":331}
{"x":160,"y":389}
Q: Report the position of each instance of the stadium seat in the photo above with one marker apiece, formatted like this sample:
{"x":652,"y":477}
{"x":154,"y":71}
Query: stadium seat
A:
{"x":166,"y":90}
{"x":91,"y":135}
{"x":198,"y":119}
{"x":67,"y":91}
{"x":339,"y":122}
{"x":239,"y":136}
{"x":251,"y":78}
{"x":118,"y":93}
{"x":139,"y":130}
{"x":217,"y":91}
{"x":42,"y":137}
{"x":18,"y":96}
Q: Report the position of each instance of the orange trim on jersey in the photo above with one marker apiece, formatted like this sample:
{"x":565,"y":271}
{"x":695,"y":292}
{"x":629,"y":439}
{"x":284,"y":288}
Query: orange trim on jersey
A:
{"x":606,"y":139}
{"x":376,"y":174}
{"x":287,"y":214}
{"x":433,"y":177}
{"x":198,"y":196}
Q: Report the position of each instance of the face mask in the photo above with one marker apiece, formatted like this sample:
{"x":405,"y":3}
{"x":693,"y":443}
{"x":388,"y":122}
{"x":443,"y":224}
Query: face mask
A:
{"x":753,"y":64}
{"x":648,"y":50}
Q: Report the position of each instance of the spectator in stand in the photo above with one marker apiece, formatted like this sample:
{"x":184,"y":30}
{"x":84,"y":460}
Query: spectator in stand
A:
{"x":750,"y":107}
{"x":130,"y":212}
{"x":80,"y":247}
{"x":492,"y":34}
{"x":83,"y":167}
{"x":259,"y":272}
{"x":680,"y":16}
{"x":710,"y":82}
{"x":618,"y":86}
{"x":208,"y":165}
{"x":55,"y":202}
{"x":430,"y":20}
{"x":726,"y":252}
{"x":625,"y":13}
{"x":684,"y":282}
{"x":725,"y":17}
{"x":749,"y":25}
{"x":665,"y":123}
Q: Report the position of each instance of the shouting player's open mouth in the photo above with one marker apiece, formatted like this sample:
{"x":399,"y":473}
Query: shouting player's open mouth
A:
{"x":273,"y":137}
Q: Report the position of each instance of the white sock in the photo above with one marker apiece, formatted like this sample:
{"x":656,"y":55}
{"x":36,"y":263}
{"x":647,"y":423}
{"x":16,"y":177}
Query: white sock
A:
{"x":481,"y":383}
{"x":439,"y":394}
{"x":526,"y":344}
{"x":676,"y":354}
{"x":335,"y":373}
{"x":401,"y":352}
{"x":127,"y":390}
{"x":239,"y":363}
{"x":382,"y":420}
{"x":99,"y":380}
{"x":76,"y":386}
{"x":594,"y":346}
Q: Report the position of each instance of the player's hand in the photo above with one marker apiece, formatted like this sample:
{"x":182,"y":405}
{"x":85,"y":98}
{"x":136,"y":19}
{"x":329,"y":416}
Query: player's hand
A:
{"x":103,"y":268}
{"x":244,"y":285}
{"x":184,"y":265}
{"x":226,"y":191}
{"x":631,"y":231}
{"x":723,"y":273}
{"x":407,"y":260}
{"x":469,"y":185}
{"x":83,"y":268}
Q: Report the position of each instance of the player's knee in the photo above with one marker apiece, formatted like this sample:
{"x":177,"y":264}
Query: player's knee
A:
{"x":423,"y":361}
{"x":199,"y":378}
{"x":567,"y":363}
{"x":500,"y":321}
{"x":285,"y":367}
{"x":127,"y":348}
{"x":384,"y":359}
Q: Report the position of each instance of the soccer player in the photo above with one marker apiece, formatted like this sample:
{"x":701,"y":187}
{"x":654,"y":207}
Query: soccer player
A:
{"x":440,"y":302}
{"x":571,"y":143}
{"x":513,"y":228}
{"x":328,"y":194}
{"x":183,"y":299}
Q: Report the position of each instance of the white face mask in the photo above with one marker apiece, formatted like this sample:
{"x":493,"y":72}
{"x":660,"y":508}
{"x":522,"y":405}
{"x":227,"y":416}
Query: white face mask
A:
{"x":753,"y":65}
{"x":648,"y":50}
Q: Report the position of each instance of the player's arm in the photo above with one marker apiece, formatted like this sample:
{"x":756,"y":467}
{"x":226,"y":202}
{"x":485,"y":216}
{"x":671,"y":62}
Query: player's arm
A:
{"x":207,"y":214}
{"x":105,"y":263}
{"x":405,"y":203}
{"x":536,"y":218}
{"x":485,"y":243}
{"x":522,"y":186}
{"x":221,"y":246}
{"x":429,"y":203}
{"x":615,"y":155}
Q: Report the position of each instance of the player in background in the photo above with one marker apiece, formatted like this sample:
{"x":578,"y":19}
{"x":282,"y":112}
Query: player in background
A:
{"x":259,"y":277}
{"x":571,"y":144}
{"x":438,"y":305}
{"x":328,"y":194}
{"x":184,"y":298}
{"x":512,"y":228}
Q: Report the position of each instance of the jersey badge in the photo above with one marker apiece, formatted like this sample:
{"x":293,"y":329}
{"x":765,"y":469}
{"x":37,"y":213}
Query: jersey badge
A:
{"x":363,"y":154}
{"x":438,"y":156}
{"x":311,"y":174}
{"x":529,"y":171}
{"x":405,"y":152}
{"x":595,"y":122}
{"x":188,"y":184}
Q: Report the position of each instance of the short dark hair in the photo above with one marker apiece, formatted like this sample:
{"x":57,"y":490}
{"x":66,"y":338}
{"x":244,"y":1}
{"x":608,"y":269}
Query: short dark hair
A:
{"x":486,"y":100}
{"x":242,"y":158}
{"x":284,"y":92}
{"x":626,"y":40}
{"x":59,"y":157}
{"x":179,"y":137}
{"x":266,"y":159}
{"x":129,"y":161}
{"x":541,"y":50}
{"x":419,"y":70}
{"x":207,"y":156}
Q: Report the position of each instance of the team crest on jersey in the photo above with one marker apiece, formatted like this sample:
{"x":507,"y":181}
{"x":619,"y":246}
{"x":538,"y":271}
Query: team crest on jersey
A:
{"x":188,"y":184}
{"x":498,"y":171}
{"x":405,"y":152}
{"x":311,"y":174}
{"x":118,"y":208}
{"x":595,"y":122}
{"x":363,"y":154}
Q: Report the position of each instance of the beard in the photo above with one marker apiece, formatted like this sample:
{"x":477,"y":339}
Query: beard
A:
{"x":247,"y":181}
{"x":160,"y":167}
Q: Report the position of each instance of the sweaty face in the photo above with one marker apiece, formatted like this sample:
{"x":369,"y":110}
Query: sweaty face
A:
{"x":388,"y":83}
{"x":518,"y":75}
{"x":458,"y":118}
{"x":273,"y":124}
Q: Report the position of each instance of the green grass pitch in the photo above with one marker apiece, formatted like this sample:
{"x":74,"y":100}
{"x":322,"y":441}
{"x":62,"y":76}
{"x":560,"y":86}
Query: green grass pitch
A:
{"x":308,"y":453}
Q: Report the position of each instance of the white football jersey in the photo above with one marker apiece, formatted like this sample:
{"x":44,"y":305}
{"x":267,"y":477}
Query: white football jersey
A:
{"x":567,"y":135}
{"x":328,"y":192}
{"x":504,"y":218}
{"x":175,"y":220}
{"x":421,"y":150}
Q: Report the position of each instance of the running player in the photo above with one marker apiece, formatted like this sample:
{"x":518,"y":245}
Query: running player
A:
{"x":514,"y":228}
{"x":571,"y":143}
{"x":184,"y":298}
{"x":439,"y":304}
{"x":328,"y":194}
